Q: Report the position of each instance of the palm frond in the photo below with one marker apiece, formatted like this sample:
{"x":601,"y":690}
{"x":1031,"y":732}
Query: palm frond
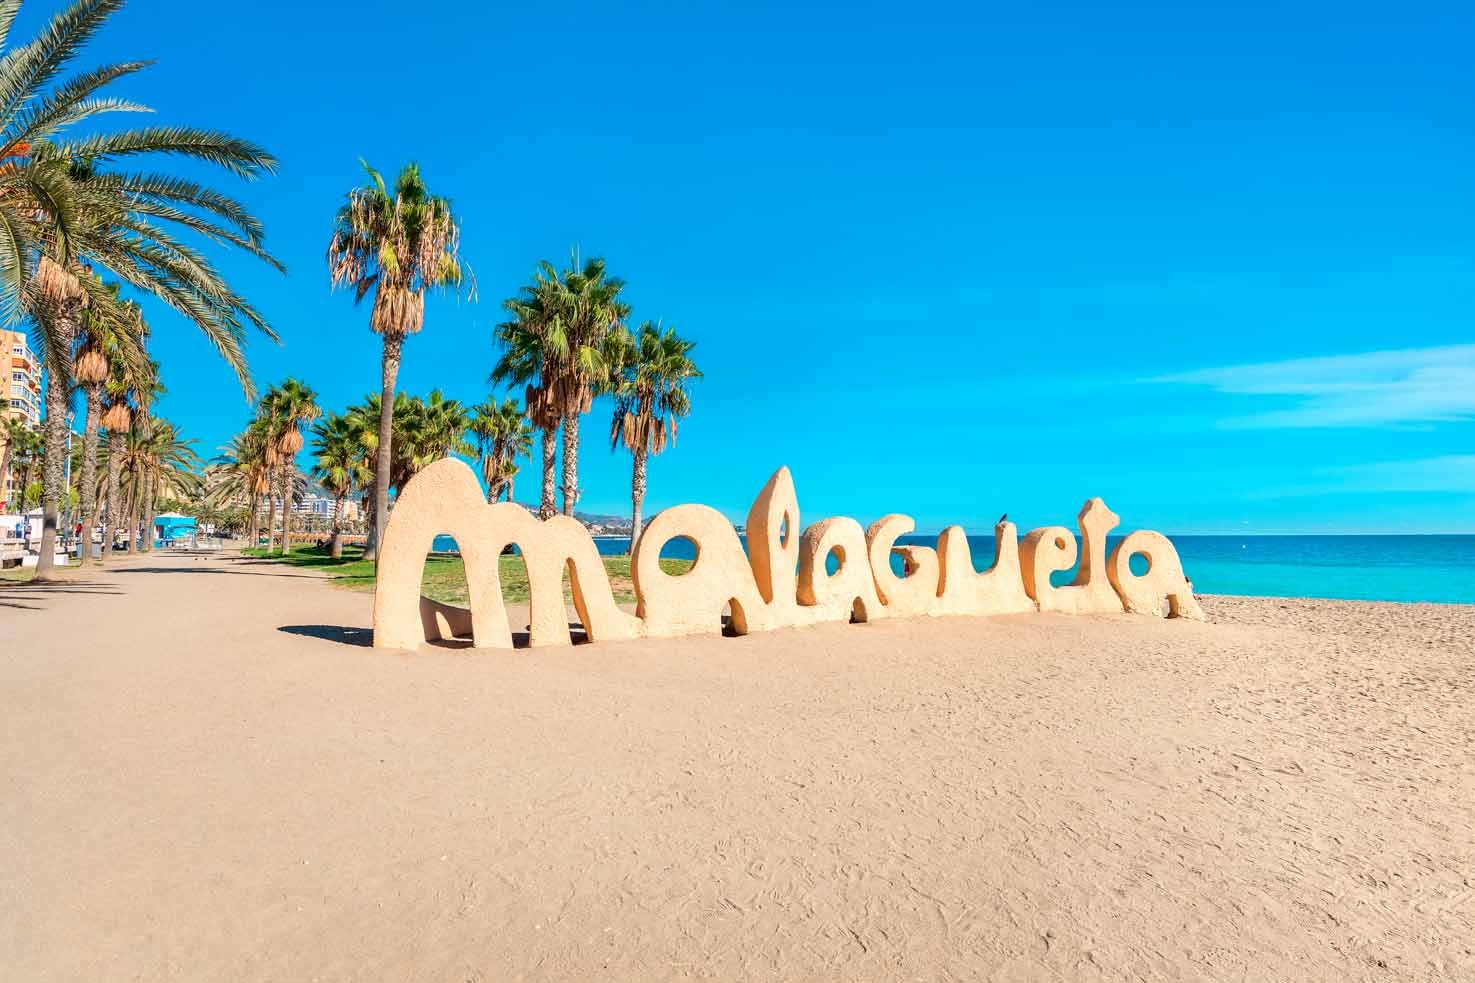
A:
{"x":26,"y":69}
{"x":71,"y":103}
{"x":238,"y":156}
{"x":14,"y":263}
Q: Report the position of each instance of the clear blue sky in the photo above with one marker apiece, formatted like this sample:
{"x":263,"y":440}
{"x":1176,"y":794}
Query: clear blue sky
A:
{"x":950,"y":260}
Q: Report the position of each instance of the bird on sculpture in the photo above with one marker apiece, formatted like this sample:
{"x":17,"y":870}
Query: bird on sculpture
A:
{"x":1002,"y":519}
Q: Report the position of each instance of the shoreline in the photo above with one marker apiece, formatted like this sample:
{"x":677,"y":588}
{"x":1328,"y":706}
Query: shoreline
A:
{"x":1331,"y":600}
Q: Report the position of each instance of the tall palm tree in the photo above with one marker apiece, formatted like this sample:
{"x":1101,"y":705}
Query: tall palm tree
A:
{"x":116,"y":421}
{"x":340,"y":467}
{"x":287,"y":410}
{"x":157,"y":463}
{"x":648,"y":375}
{"x":242,"y":474}
{"x":171,"y":465}
{"x":62,"y":212}
{"x":270,"y":432}
{"x":552,"y":345}
{"x":144,"y":254}
{"x":146,"y":391}
{"x":396,"y":244}
{"x":528,"y":340}
{"x":102,"y":348}
{"x":128,"y":383}
{"x":590,"y":299}
{"x":502,"y":436}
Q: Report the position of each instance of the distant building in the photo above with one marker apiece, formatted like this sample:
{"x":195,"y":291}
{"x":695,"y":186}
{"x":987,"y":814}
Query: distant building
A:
{"x":21,"y":398}
{"x":321,"y":506}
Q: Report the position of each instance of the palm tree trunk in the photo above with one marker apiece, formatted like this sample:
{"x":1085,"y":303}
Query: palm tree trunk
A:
{"x":87,"y":497}
{"x":335,"y":545}
{"x":253,"y":521}
{"x":637,"y":494}
{"x":366,"y":512}
{"x":52,"y":474}
{"x":366,"y":509}
{"x":271,"y":516}
{"x":145,"y":530}
{"x":112,"y":514}
{"x":570,"y":462}
{"x":550,"y":451}
{"x":509,"y":488}
{"x":393,"y":344}
{"x":130,"y":520}
{"x":287,"y":469}
{"x":150,"y":511}
{"x":5,"y":455}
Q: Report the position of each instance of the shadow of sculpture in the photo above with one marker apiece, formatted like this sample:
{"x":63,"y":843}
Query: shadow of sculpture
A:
{"x":362,"y":637}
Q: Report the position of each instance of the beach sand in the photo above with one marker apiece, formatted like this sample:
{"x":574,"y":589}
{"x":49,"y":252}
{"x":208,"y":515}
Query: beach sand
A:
{"x":207,"y":777}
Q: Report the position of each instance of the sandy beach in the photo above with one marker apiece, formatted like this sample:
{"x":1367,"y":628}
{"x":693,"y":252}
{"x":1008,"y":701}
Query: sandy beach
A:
{"x":207,"y":776}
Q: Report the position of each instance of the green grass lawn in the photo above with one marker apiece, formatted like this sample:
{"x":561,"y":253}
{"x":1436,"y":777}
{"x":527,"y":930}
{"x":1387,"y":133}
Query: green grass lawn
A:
{"x":445,"y":577}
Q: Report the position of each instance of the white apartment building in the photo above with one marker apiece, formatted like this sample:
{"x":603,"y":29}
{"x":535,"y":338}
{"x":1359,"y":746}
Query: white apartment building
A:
{"x":322,"y":507}
{"x":314,"y":505}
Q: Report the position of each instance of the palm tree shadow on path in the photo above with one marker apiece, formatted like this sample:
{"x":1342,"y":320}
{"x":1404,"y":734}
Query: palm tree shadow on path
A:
{"x":13,"y":596}
{"x":223,"y":570}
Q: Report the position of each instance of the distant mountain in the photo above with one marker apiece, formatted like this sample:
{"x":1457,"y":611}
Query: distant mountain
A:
{"x":609,"y":523}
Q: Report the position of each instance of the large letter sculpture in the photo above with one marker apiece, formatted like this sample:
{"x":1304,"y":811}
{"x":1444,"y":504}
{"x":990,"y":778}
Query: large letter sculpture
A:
{"x":783,"y":579}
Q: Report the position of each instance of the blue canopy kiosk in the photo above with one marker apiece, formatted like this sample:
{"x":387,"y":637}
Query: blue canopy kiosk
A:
{"x":172,"y":529}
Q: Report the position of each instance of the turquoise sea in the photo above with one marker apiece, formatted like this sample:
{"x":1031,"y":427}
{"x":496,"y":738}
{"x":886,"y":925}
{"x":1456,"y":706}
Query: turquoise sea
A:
{"x":1359,"y":568}
{"x":1363,"y":568}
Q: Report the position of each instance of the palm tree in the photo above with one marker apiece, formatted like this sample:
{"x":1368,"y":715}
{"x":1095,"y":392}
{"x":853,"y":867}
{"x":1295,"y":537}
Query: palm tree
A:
{"x":592,"y":310}
{"x":102,"y":349}
{"x":146,"y":390}
{"x":425,"y":431}
{"x":62,"y":212}
{"x":116,"y":421}
{"x":552,"y":344}
{"x":15,"y":434}
{"x":502,"y":436}
{"x":364,"y":422}
{"x":158,"y":463}
{"x":340,"y":467}
{"x":28,"y":448}
{"x":397,"y":245}
{"x":129,"y":382}
{"x":270,"y":432}
{"x":527,"y":341}
{"x":242,"y":474}
{"x":287,"y":410}
{"x":648,"y":374}
{"x":437,"y":428}
{"x":171,"y":465}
